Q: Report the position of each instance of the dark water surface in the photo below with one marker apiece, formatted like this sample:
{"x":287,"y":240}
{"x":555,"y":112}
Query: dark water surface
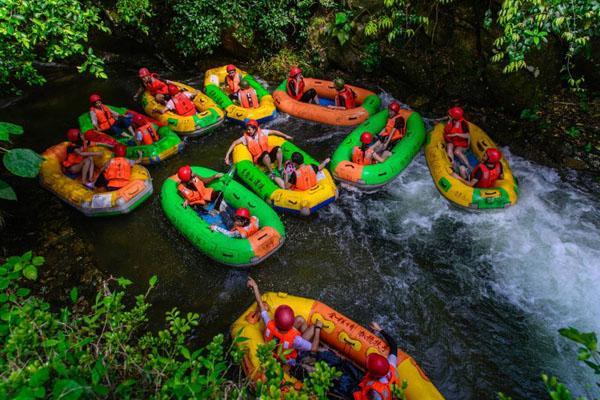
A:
{"x":475,"y":298}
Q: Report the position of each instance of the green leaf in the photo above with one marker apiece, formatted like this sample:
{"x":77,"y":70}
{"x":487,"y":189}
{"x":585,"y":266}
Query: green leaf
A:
{"x":74,"y":294}
{"x":153,"y":281}
{"x":67,"y":389}
{"x":22,"y":292}
{"x":38,"y":260}
{"x":39,"y":377}
{"x":185,"y":353}
{"x":30,"y":272}
{"x":7,"y":129}
{"x":23,"y":162}
{"x":588,"y":339}
{"x":6,"y":192}
{"x":341,"y":18}
{"x":124,"y":282}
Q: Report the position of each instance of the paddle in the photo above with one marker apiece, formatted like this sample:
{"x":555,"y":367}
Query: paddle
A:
{"x":225,"y":181}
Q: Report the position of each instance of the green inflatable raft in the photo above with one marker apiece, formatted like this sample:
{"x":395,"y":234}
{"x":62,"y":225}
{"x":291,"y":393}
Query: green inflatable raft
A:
{"x":169,"y":144}
{"x":222,"y":248}
{"x":377,"y":175}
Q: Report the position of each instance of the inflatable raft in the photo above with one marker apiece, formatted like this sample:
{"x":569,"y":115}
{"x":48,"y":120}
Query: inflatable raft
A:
{"x":368,"y":104}
{"x":304,"y":202}
{"x":342,"y":335}
{"x":168,"y":145}
{"x":226,"y":250}
{"x":209,"y":114}
{"x":376,"y":175}
{"x":214,"y":78}
{"x":93,"y":202}
{"x":505,"y":194}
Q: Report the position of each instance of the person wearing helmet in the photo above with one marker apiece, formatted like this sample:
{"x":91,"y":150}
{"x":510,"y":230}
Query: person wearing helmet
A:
{"x":366,"y":153}
{"x":295,"y":88}
{"x":152,"y":84}
{"x":486,"y":173}
{"x":179,"y":102}
{"x":232,"y":81}
{"x":381,"y":372}
{"x":291,"y":332}
{"x":106,"y":120}
{"x":345,"y":97}
{"x":145,"y":134}
{"x":193,"y":188}
{"x":394,"y":129}
{"x":79,"y":160}
{"x":247,"y":96}
{"x":456,"y":135}
{"x":244,"y":225}
{"x":257,"y":142}
{"x":117,"y":171}
{"x":300,"y":176}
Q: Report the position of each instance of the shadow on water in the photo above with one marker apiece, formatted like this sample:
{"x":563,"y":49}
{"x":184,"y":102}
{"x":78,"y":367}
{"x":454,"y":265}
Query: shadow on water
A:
{"x":475,"y":298}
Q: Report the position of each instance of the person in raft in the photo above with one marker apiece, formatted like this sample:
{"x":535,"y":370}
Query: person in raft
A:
{"x":456,"y":135}
{"x":257,"y":142}
{"x":193,"y":188}
{"x":145,"y":134}
{"x":108,"y":121}
{"x":247,"y":95}
{"x":291,"y":332}
{"x":300,"y":176}
{"x":295,"y":88}
{"x":79,"y":160}
{"x":244,"y":225}
{"x":151,"y":83}
{"x":117,"y":171}
{"x":232,"y":81}
{"x":486,"y":173}
{"x":179,"y":102}
{"x":367,"y":152}
{"x":345,"y":97}
{"x":394,"y":130}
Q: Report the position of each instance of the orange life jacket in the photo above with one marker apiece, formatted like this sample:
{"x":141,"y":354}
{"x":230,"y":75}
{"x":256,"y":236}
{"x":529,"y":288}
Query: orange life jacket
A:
{"x":257,"y":144}
{"x":452,"y":127}
{"x":362,"y":157}
{"x":488,"y":176}
{"x":390,"y":127}
{"x":285,"y":339}
{"x":149,"y":134}
{"x":118,"y":172}
{"x":72,"y":157}
{"x":295,"y":88}
{"x":183,"y":105}
{"x":103,"y":116}
{"x":370,"y":383}
{"x":156,"y":86}
{"x":248,"y":98}
{"x":348,"y":96}
{"x":306,"y":178}
{"x":200,"y":195}
{"x":234,"y":84}
{"x":248,"y":230}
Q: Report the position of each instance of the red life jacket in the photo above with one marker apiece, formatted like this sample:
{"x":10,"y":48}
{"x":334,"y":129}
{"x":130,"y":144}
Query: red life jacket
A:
{"x":285,"y":339}
{"x":306,"y":178}
{"x":348,"y":96}
{"x":118,"y":172}
{"x":384,"y":390}
{"x":257,"y":144}
{"x":488,"y":176}
{"x":72,"y":157}
{"x":156,"y":86}
{"x":362,"y":157}
{"x":103,"y":116}
{"x":149,"y":134}
{"x":200,"y":195}
{"x":234,"y":84}
{"x":248,"y":98}
{"x":390,"y":127}
{"x":295,"y":88}
{"x":454,"y":126}
{"x":248,"y":230}
{"x":183,"y":105}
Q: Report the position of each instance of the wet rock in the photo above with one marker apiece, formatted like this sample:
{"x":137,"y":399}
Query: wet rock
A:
{"x":575,"y":163}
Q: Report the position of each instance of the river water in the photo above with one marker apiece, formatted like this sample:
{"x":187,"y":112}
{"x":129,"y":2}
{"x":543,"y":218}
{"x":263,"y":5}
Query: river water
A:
{"x":476,"y":298}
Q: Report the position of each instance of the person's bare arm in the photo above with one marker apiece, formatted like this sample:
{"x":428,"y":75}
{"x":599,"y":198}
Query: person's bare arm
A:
{"x":280,"y":134}
{"x":137,"y":94}
{"x":324,"y":163}
{"x":212,"y":178}
{"x":377,"y":157}
{"x":233,"y":144}
{"x":252,"y":285}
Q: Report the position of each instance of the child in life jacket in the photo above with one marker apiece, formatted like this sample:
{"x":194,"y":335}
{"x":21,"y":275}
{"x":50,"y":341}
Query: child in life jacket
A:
{"x":456,"y":135}
{"x":345,"y":97}
{"x":179,"y":102}
{"x":193,"y":188}
{"x":232,"y":82}
{"x":394,"y":130}
{"x":145,"y":134}
{"x":117,"y":171}
{"x":366,"y":153}
{"x":486,"y":173}
{"x":153,"y":84}
{"x":295,"y":88}
{"x":247,"y":96}
{"x":244,"y":225}
{"x":106,"y":120}
{"x":79,"y":160}
{"x":300,"y":176}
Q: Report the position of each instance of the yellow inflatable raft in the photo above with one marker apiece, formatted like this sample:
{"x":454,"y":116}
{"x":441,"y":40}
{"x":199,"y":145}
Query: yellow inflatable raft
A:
{"x":506,"y":192}
{"x":339,"y":333}
{"x":93,"y":202}
{"x":209,"y":114}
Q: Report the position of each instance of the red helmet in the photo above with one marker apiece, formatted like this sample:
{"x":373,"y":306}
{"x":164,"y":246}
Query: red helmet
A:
{"x":242,"y":212}
{"x":73,"y":134}
{"x":366,"y":138}
{"x":394,"y":106}
{"x":185,"y":173}
{"x":119,"y":150}
{"x":493,"y":155}
{"x":456,"y":113}
{"x":230,"y":68}
{"x":252,"y":122}
{"x":284,"y":317}
{"x":143,"y":72}
{"x":139,"y":120}
{"x":295,"y":71}
{"x":377,"y":365}
{"x":95,"y":97}
{"x":173,"y":90}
